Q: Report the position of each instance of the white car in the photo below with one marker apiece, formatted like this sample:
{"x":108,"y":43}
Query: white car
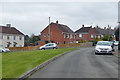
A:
{"x":116,"y":43}
{"x":103,"y":47}
{"x":49,"y":46}
{"x":2,"y":49}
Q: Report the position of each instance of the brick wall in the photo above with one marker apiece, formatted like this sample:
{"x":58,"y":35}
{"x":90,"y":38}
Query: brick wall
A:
{"x":56,"y":35}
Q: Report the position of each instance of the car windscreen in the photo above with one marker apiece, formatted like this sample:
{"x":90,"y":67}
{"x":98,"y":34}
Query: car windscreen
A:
{"x":103,"y":43}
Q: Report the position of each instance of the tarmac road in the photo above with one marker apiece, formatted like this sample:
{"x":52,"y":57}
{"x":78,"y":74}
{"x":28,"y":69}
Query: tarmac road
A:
{"x":81,"y":63}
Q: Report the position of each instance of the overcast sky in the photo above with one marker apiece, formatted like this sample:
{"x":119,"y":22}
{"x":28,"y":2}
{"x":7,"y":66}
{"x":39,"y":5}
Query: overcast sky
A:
{"x":32,"y":17}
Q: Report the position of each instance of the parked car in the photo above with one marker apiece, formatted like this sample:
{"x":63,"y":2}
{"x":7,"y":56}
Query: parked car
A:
{"x":103,"y":47}
{"x":49,"y":46}
{"x":112,"y":45}
{"x":116,"y":43}
{"x":2,"y":49}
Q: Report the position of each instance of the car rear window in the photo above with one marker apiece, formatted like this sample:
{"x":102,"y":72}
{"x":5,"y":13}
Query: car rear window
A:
{"x":103,"y":43}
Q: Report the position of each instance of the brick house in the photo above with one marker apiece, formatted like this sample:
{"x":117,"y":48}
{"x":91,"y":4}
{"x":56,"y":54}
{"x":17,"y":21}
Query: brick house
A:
{"x":62,"y":34}
{"x":89,"y":33}
{"x":85,"y":33}
{"x":59,"y":33}
{"x":100,"y":33}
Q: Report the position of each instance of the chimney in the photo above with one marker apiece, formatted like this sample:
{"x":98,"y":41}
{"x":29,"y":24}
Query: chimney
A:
{"x":8,"y":25}
{"x":83,"y":26}
{"x":57,"y":21}
{"x":109,"y":27}
{"x":97,"y":26}
{"x":104,"y":27}
{"x":91,"y":26}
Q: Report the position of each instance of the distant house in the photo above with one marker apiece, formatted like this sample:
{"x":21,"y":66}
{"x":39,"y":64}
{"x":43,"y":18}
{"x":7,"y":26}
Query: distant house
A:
{"x":89,"y":33}
{"x":11,"y":37}
{"x":59,"y":33}
{"x":85,"y":33}
{"x":100,"y":33}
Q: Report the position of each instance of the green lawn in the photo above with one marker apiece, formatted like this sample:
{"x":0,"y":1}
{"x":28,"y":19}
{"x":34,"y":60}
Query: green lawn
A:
{"x":15,"y":64}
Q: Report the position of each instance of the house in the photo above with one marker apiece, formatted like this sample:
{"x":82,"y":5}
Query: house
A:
{"x":59,"y":33}
{"x":100,"y":33}
{"x":85,"y":34}
{"x":11,"y":37}
{"x":89,"y":33}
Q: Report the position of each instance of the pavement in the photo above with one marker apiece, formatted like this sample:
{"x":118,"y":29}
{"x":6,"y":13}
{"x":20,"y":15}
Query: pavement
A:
{"x":81,"y":63}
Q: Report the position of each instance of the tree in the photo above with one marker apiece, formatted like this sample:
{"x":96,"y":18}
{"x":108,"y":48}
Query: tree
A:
{"x":107,"y":38}
{"x":32,"y":39}
{"x":117,"y":34}
{"x":26,"y":38}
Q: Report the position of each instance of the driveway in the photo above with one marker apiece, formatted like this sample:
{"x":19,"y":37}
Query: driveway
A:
{"x":81,"y":63}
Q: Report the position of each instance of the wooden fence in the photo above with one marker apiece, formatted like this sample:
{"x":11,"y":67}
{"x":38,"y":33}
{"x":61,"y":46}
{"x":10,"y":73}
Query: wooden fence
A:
{"x":88,"y":44}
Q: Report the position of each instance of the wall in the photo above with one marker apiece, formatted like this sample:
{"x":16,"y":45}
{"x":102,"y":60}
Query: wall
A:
{"x":20,"y":43}
{"x":56,"y":35}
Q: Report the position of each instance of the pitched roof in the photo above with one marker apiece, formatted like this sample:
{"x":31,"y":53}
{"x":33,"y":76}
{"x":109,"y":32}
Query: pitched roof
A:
{"x":83,"y":30}
{"x":10,"y":30}
{"x":63,"y":28}
{"x":103,"y":31}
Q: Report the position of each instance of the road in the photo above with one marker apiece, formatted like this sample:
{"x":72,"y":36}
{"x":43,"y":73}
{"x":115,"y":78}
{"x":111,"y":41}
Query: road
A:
{"x":81,"y":63}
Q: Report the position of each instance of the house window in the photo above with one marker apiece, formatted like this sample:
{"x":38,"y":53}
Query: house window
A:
{"x":92,"y":36}
{"x":48,"y":35}
{"x":64,"y":35}
{"x":95,"y":36}
{"x":70,"y":36}
{"x":67,"y":35}
{"x":99,"y":37}
{"x":8,"y":37}
{"x":44,"y":35}
{"x":20,"y":38}
{"x":74,"y":36}
{"x":80,"y":35}
{"x":14,"y":37}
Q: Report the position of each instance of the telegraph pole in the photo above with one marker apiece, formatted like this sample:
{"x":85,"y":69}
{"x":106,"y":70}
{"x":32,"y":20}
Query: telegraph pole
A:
{"x":49,"y":29}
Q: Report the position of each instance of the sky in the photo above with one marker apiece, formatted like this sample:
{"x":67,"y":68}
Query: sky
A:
{"x":32,"y":17}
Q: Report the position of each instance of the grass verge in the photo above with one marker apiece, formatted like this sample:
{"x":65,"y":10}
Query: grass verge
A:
{"x":15,"y":64}
{"x":0,"y":66}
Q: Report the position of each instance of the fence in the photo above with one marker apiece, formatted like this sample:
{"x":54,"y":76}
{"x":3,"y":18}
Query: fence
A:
{"x":88,"y":44}
{"x":24,"y":48}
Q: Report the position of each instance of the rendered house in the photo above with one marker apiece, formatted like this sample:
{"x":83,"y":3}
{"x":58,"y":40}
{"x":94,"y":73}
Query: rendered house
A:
{"x":11,"y":37}
{"x":59,"y":33}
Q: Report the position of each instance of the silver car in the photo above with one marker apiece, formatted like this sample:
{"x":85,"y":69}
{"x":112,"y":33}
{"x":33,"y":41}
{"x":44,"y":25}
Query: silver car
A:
{"x":49,"y":46}
{"x":2,"y":49}
{"x":103,"y":47}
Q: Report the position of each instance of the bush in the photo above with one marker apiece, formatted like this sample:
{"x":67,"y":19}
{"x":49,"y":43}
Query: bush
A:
{"x":82,"y":41}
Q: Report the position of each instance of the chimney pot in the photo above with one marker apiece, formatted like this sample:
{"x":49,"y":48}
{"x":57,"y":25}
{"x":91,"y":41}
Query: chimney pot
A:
{"x":57,"y":21}
{"x":83,"y":26}
{"x":104,"y":27}
{"x":97,"y":27}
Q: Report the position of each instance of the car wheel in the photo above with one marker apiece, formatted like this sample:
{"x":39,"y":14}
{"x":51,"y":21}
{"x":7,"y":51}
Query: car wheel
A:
{"x":43,"y":49}
{"x":2,"y":51}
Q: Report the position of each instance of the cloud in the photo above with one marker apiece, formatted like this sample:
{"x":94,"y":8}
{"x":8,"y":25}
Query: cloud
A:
{"x":33,"y":17}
